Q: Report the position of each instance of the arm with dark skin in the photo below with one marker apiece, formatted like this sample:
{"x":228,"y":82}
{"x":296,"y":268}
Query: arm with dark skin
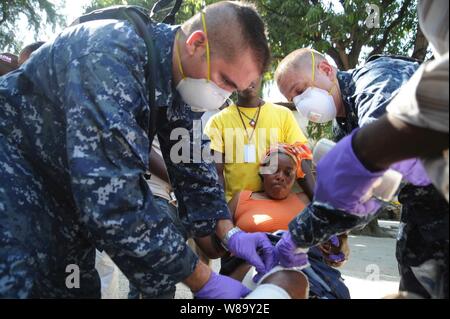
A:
{"x":158,"y":167}
{"x":309,"y":181}
{"x":378,"y":152}
{"x":210,"y":245}
{"x":207,"y":244}
{"x":223,"y":226}
{"x":199,"y":277}
{"x":220,"y":160}
{"x":233,"y":204}
{"x":328,"y":249}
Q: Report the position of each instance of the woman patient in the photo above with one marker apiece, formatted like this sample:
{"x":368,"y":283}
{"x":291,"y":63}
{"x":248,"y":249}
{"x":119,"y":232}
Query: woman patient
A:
{"x":271,"y":211}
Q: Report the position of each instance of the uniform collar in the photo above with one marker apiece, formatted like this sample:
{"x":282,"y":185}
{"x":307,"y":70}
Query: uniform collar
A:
{"x":347,"y":86}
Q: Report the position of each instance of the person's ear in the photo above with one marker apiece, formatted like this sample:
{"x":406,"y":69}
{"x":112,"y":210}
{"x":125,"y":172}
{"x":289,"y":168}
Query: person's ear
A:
{"x":196,"y":41}
{"x":327,"y":69}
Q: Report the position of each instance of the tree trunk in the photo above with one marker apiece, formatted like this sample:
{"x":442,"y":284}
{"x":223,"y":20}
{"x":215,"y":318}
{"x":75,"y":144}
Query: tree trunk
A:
{"x":336,"y":57}
{"x":420,"y":46}
{"x":344,"y":58}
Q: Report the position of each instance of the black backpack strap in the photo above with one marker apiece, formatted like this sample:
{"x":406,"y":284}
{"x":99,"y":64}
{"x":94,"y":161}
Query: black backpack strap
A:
{"x":161,"y":4}
{"x":150,"y":68}
{"x":170,"y":18}
{"x":140,"y":18}
{"x":113,"y":12}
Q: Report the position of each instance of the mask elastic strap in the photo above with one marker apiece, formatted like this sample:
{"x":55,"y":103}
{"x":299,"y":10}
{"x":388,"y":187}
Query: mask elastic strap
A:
{"x":314,"y":74}
{"x":177,"y":49}
{"x":208,"y":53}
{"x":313,"y":67}
{"x":333,"y":88}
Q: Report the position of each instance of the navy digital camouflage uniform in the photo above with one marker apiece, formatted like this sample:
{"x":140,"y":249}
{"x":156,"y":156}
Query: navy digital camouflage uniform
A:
{"x":366,"y":93}
{"x":165,"y":206}
{"x":422,"y":246}
{"x":74,"y":149}
{"x":368,"y":90}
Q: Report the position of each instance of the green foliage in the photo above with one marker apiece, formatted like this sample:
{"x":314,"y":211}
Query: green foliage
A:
{"x":319,"y":131}
{"x":38,"y":13}
{"x":98,"y":4}
{"x":188,"y":9}
{"x":341,"y":33}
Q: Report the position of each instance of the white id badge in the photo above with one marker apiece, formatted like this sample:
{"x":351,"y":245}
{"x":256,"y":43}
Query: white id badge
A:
{"x":250,"y":153}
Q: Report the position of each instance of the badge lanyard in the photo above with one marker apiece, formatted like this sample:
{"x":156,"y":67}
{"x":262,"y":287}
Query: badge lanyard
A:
{"x":250,"y":148}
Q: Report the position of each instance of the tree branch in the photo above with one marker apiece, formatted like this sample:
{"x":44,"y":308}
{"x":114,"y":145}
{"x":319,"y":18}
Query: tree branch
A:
{"x":5,"y":14}
{"x":336,"y":57}
{"x":401,"y":15}
{"x":420,"y":46}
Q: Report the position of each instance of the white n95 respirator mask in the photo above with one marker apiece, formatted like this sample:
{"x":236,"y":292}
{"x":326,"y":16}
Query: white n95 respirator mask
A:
{"x":202,"y":95}
{"x":316,"y":105}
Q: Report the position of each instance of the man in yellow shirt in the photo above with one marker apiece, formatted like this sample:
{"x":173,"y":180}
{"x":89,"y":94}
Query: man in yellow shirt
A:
{"x":241,"y":134}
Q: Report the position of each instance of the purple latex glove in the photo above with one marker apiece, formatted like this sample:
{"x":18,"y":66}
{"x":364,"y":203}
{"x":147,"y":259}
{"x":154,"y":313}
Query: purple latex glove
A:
{"x":259,"y":276}
{"x":335,"y":241}
{"x":343,"y":182}
{"x":339,"y":257}
{"x":289,"y":254}
{"x":255,"y":248}
{"x":413,"y":171}
{"x":222,"y":287}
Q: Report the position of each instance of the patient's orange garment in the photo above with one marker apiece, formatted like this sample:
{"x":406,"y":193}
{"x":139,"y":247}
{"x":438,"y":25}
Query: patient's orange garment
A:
{"x":266,"y":215}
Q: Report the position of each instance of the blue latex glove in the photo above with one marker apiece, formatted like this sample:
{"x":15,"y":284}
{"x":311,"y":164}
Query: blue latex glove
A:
{"x":222,"y":287}
{"x":289,"y":254}
{"x":413,"y":171}
{"x":255,"y":248}
{"x":343,"y":182}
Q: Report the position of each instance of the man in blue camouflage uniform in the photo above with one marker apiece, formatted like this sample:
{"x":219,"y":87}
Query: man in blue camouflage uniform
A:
{"x":74,"y":150}
{"x":360,"y":97}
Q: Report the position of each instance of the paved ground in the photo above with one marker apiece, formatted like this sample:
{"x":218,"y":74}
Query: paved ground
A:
{"x":370,"y":273}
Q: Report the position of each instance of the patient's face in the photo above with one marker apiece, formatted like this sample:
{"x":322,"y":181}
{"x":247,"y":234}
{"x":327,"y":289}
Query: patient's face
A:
{"x":279,"y":185}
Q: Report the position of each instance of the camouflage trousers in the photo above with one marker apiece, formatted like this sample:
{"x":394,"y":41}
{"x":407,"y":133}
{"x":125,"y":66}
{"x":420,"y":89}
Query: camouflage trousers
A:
{"x":423,"y":242}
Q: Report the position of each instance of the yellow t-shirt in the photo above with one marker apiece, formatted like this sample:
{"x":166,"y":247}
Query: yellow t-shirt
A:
{"x":276,"y":124}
